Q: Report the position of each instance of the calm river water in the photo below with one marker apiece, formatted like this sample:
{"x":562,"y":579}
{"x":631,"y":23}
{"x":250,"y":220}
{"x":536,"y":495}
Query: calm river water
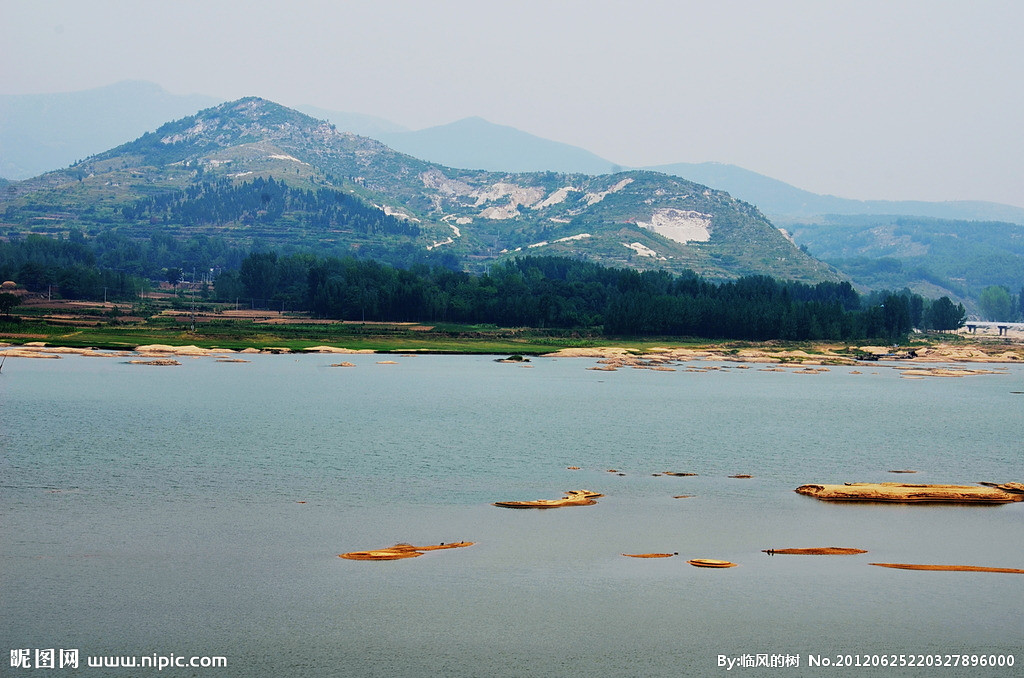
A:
{"x":199,"y":511}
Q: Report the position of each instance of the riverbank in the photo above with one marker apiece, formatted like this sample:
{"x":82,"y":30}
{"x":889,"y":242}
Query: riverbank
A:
{"x":963,"y":351}
{"x":611,"y":355}
{"x":94,"y":329}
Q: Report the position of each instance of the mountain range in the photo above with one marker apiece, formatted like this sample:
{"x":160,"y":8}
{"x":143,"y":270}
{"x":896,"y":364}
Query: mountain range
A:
{"x":933,"y":248}
{"x":167,"y":179}
{"x":44,"y":132}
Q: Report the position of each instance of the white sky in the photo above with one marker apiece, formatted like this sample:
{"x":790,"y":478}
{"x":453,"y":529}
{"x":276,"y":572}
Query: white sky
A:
{"x":893,"y":99}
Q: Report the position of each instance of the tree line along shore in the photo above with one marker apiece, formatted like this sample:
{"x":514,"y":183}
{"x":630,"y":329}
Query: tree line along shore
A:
{"x":552,"y":296}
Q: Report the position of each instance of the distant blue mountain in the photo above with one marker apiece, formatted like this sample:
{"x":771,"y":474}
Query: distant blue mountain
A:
{"x":784,"y":202}
{"x":43,"y":132}
{"x":474,"y":143}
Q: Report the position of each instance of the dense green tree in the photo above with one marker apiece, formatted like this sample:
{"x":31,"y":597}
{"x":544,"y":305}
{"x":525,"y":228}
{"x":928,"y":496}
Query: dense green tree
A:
{"x":943,"y":315}
{"x":259,"y":275}
{"x":896,"y":317}
{"x":996,"y":304}
{"x":173,"y":276}
{"x":549,"y":292}
{"x":228,"y":286}
{"x":8,"y":302}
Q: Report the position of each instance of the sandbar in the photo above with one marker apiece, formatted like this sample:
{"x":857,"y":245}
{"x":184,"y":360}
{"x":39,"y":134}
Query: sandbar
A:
{"x":710,"y":562}
{"x":816,"y":551}
{"x":572,"y":498}
{"x":400,"y":551}
{"x":950,"y":568}
{"x":989,"y":493}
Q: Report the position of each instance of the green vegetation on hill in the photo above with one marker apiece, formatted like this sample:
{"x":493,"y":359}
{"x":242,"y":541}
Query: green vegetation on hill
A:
{"x":194,"y":175}
{"x":934,"y":257}
{"x":523,"y":291}
{"x":272,"y":209}
{"x":555,"y":294}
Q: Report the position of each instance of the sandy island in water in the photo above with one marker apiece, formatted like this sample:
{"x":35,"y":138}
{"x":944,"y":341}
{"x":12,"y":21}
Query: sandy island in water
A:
{"x":571,"y":498}
{"x":905,"y":493}
{"x":400,"y":551}
{"x":666,"y":358}
{"x":913,"y":363}
{"x":816,"y":551}
{"x":950,"y":568}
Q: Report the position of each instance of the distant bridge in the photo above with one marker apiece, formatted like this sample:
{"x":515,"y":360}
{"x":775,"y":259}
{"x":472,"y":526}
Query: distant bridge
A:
{"x":1001,"y":328}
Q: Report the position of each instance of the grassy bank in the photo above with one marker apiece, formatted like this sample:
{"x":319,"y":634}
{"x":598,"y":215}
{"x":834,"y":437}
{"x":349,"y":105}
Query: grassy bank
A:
{"x":91,"y":327}
{"x":296,"y":336}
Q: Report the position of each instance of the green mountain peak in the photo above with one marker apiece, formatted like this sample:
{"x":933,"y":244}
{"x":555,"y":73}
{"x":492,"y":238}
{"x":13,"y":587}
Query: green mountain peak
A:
{"x":638,"y":219}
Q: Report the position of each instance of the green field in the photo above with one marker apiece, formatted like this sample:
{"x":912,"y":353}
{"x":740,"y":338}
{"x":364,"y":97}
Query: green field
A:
{"x":241,"y":334}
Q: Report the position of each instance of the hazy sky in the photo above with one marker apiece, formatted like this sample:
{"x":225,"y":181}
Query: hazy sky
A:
{"x":914,"y":99}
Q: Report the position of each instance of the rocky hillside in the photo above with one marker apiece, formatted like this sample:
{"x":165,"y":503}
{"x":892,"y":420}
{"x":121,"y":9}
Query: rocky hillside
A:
{"x":640,"y":219}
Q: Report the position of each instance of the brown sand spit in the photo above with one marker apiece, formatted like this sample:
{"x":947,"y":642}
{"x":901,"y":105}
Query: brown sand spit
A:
{"x":987,"y":493}
{"x":981,"y":352}
{"x":950,"y":568}
{"x":650,"y":555}
{"x":617,"y":357}
{"x":818,"y":551}
{"x":944,"y":372}
{"x":613,"y":358}
{"x":811,"y":370}
{"x":710,"y":562}
{"x":334,"y":349}
{"x":595,"y":352}
{"x":152,"y":350}
{"x":572,"y":498}
{"x":38,"y":349}
{"x":678,"y":474}
{"x":21,"y":353}
{"x":399,"y":551}
{"x":169,"y":362}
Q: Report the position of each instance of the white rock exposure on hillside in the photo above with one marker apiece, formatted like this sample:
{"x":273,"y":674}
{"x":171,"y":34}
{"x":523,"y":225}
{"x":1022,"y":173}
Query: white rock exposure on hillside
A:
{"x":499,"y":213}
{"x":555,"y":198}
{"x":281,"y":156}
{"x":680,"y":225}
{"x":517,"y":195}
{"x":643,"y":250}
{"x":594,"y":198}
{"x":436,"y":179}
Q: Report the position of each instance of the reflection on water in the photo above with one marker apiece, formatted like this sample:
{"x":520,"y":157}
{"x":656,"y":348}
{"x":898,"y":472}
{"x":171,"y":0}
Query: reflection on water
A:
{"x":149,"y":509}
